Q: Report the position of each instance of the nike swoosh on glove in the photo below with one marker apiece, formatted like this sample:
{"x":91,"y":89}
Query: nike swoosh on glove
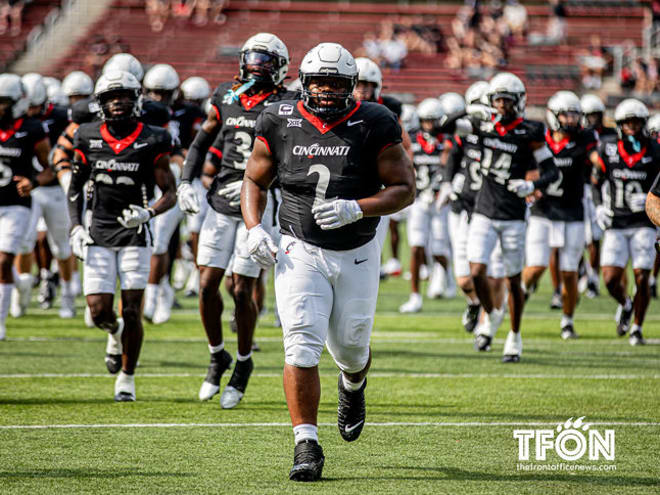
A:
{"x":79,"y":240}
{"x":134,"y":216}
{"x":261,"y":247}
{"x":521,"y":187}
{"x":337,"y":213}
{"x":188,"y":199}
{"x":232,"y":192}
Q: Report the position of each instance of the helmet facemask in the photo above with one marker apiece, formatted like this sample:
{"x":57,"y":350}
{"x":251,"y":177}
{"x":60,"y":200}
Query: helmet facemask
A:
{"x":510,"y":109}
{"x":324,"y":103}
{"x":261,"y":66}
{"x":118,"y":105}
{"x":633,"y":136}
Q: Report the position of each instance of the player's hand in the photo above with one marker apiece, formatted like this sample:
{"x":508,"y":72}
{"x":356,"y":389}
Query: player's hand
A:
{"x":337,"y":213}
{"x":479,"y":111}
{"x":604,"y":217}
{"x":457,"y":183}
{"x":187,"y":198}
{"x":521,"y":187}
{"x":637,"y":202}
{"x":23,"y":185}
{"x":444,"y":196}
{"x":261,"y":247}
{"x":232,"y":192}
{"x":134,"y":216}
{"x":79,"y":240}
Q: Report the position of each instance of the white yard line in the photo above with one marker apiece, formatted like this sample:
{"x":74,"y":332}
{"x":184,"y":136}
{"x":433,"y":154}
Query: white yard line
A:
{"x":282,"y":425}
{"x":375,"y":374}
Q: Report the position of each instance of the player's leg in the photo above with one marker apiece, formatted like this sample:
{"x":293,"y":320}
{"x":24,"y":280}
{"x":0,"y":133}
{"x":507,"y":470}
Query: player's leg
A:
{"x":20,"y":298}
{"x":305,"y":299}
{"x":442,"y":283}
{"x":215,"y":247}
{"x":458,"y":228}
{"x":12,"y":226}
{"x":555,"y":276}
{"x":653,"y":286}
{"x":512,"y":238}
{"x":643,"y":257}
{"x":614,"y":258}
{"x":418,"y":234}
{"x":194,"y":223}
{"x":570,"y":255}
{"x":537,"y":253}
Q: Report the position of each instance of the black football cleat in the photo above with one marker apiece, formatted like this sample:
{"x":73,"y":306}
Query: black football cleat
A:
{"x":351,"y":411}
{"x":623,"y":321}
{"x":308,"y":461}
{"x":635,"y":338}
{"x":568,"y":332}
{"x":220,"y":361}
{"x":471,"y":317}
{"x":235,"y":389}
{"x":482,"y":343}
{"x":113,"y":363}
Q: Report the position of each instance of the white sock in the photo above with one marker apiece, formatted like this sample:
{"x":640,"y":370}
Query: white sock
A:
{"x":239,"y":357}
{"x":472,"y":301}
{"x":635,"y":328}
{"x":566,"y":320}
{"x":150,"y":296}
{"x":24,"y":282}
{"x":651,"y":280}
{"x":213,"y":349}
{"x":5,"y":299}
{"x":305,"y":432}
{"x":65,"y":286}
{"x":628,"y":304}
{"x":44,"y":273}
{"x":349,"y":385}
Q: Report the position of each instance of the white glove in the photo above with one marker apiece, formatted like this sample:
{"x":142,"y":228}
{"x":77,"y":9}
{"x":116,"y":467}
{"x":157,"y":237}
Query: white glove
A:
{"x":261,"y":247}
{"x":457,"y":183}
{"x":134,"y":216}
{"x":79,"y":240}
{"x":521,"y":187}
{"x":444,"y":196}
{"x":637,"y":202}
{"x":232,"y":192}
{"x":337,"y":213}
{"x":479,"y":111}
{"x":188,"y":199}
{"x":604,"y":217}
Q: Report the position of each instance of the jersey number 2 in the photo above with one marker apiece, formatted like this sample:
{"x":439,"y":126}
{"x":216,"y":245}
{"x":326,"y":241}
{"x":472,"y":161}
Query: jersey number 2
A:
{"x":322,"y":184}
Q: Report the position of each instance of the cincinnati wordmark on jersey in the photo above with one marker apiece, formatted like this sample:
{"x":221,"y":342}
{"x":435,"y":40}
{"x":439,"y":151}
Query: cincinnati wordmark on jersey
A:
{"x":233,"y":144}
{"x":506,"y":155}
{"x":562,"y":199}
{"x":627,"y":172}
{"x":122,"y":173}
{"x":465,"y":159}
{"x":320,"y":161}
{"x":427,"y":153}
{"x":16,"y":152}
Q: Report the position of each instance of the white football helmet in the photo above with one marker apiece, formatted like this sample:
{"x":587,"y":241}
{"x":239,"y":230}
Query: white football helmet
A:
{"x":653,"y":124}
{"x":11,"y":87}
{"x":452,"y":103}
{"x":591,"y":104}
{"x":368,"y":71}
{"x":430,"y":109}
{"x":57,"y":97}
{"x":508,"y":85}
{"x":77,"y":83}
{"x":162,"y":78}
{"x":267,"y":52}
{"x":124,"y":62}
{"x":35,"y":89}
{"x":562,"y":102}
{"x":630,"y":108}
{"x":195,"y":89}
{"x":476,"y":92}
{"x":409,"y":117}
{"x":330,"y":60}
{"x":118,"y":81}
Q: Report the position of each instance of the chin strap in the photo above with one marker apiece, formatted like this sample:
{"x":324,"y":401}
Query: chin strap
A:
{"x":636,"y":144}
{"x":232,"y":95}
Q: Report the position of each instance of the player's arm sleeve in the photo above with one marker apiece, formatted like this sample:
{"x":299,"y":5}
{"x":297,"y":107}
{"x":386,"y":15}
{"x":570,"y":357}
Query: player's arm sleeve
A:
{"x":454,"y":159}
{"x":598,"y":177}
{"x":264,"y":131}
{"x":192,"y":166}
{"x":80,"y":172}
{"x":448,"y":122}
{"x":386,"y":133}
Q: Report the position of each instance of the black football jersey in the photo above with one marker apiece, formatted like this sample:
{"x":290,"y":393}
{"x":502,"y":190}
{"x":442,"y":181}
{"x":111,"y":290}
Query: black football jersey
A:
{"x":392,"y":104}
{"x":233,"y":144}
{"x":506,"y":155}
{"x":318,"y":161}
{"x":122,"y":173}
{"x":54,"y":120}
{"x":16,"y":153}
{"x":186,"y":121}
{"x":656,"y":185}
{"x":427,"y":151}
{"x":465,"y":159}
{"x":84,"y":111}
{"x":562,"y":199}
{"x":627,"y":172}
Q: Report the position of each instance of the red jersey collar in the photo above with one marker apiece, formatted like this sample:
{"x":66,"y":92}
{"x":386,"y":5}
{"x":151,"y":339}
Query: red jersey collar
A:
{"x":119,"y":145}
{"x":320,"y":124}
{"x":249,"y":102}
{"x":5,"y":135}
{"x":427,"y":146}
{"x":48,"y":111}
{"x":503,"y":129}
{"x":630,"y":160}
{"x":555,"y":146}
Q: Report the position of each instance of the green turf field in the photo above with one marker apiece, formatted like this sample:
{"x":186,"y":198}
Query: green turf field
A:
{"x":440,"y":417}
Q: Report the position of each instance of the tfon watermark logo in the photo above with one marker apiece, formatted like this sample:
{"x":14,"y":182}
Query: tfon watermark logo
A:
{"x":571,"y":441}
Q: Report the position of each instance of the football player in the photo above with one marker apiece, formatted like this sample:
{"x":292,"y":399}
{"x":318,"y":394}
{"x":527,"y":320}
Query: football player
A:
{"x":510,"y":146}
{"x":557,"y":218}
{"x":23,"y":138}
{"x":123,"y":159}
{"x":424,"y":219}
{"x":228,"y":133}
{"x":332,"y":156}
{"x":653,"y":127}
{"x":628,"y":163}
{"x":49,"y":203}
{"x":593,"y":111}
